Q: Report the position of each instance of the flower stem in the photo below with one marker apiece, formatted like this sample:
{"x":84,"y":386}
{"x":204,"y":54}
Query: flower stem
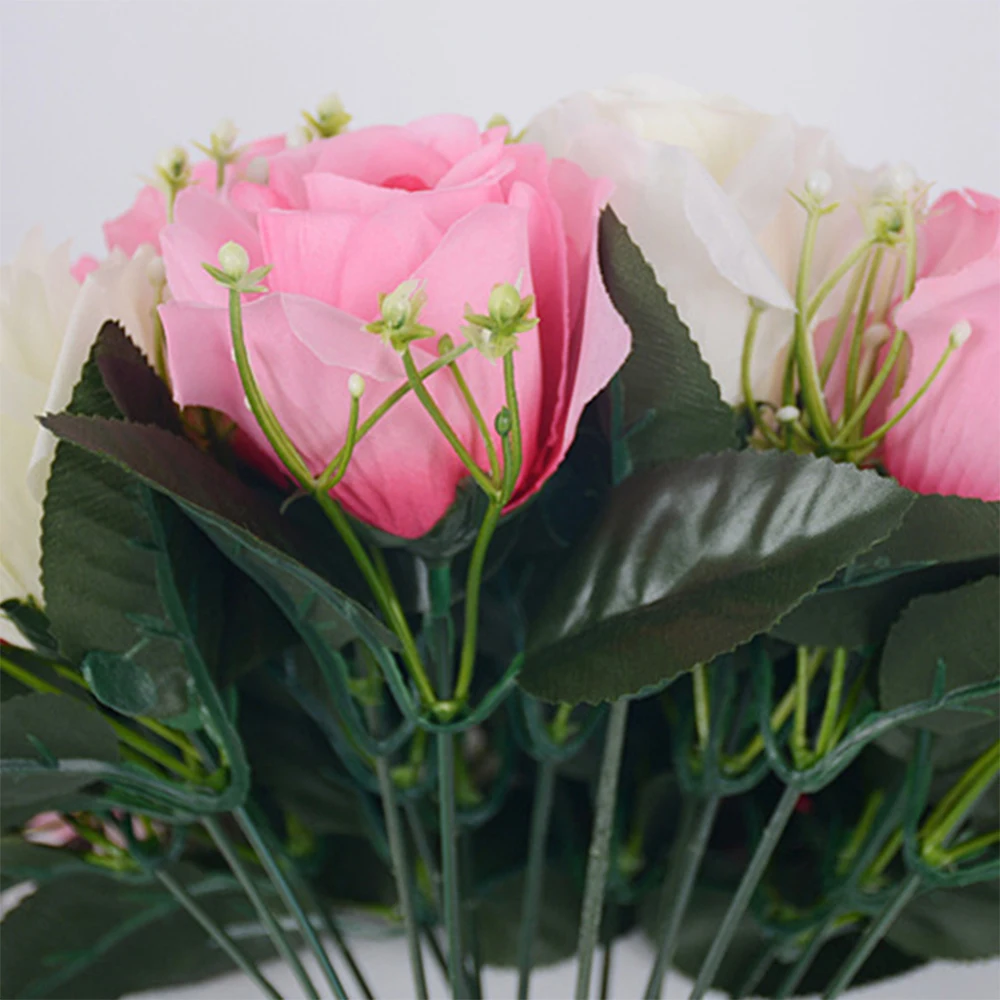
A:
{"x":228,"y":850}
{"x":477,"y":416}
{"x":835,"y":277}
{"x":434,"y":412}
{"x":799,"y":740}
{"x":689,"y":849}
{"x":874,"y":388}
{"x":860,"y":319}
{"x":874,"y":933}
{"x":758,"y":971}
{"x":512,"y":469}
{"x":702,"y":707}
{"x":541,"y":815}
{"x":744,"y":893}
{"x":259,"y":842}
{"x":449,"y":862}
{"x":838,"y":669}
{"x":843,"y":320}
{"x":217,"y":934}
{"x":753,"y":409}
{"x":600,"y":842}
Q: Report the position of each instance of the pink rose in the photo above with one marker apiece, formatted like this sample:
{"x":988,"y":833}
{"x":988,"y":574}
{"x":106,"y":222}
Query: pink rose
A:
{"x":950,"y":442}
{"x":345,"y":219}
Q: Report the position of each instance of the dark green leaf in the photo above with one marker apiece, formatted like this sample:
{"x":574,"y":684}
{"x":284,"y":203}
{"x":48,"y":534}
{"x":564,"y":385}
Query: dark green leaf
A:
{"x":138,"y":392}
{"x":959,"y":925}
{"x":856,"y":616}
{"x":32,"y":623}
{"x":48,"y":728}
{"x":246,"y":528}
{"x":21,"y":861}
{"x":958,"y":628}
{"x":691,"y":559}
{"x":671,"y":406}
{"x":121,"y":684}
{"x":96,"y":937}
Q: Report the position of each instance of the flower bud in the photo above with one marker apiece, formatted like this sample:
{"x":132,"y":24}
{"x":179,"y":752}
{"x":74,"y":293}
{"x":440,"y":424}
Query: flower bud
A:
{"x":960,"y":333}
{"x":504,"y":422}
{"x":356,"y":385}
{"x":298,"y":136}
{"x":886,"y":221}
{"x":876,"y":335}
{"x":258,"y":170}
{"x":234,"y":260}
{"x":895,"y":182}
{"x":446,"y":344}
{"x":505,"y":304}
{"x":788,"y":414}
{"x":173,"y":163}
{"x":818,"y":185}
{"x":225,"y":133}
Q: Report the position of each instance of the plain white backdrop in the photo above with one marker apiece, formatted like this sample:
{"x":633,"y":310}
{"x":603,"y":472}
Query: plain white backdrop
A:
{"x":92,"y":91}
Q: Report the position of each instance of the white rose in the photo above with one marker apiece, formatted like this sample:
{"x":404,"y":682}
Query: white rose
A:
{"x":703,"y":185}
{"x":48,"y":323}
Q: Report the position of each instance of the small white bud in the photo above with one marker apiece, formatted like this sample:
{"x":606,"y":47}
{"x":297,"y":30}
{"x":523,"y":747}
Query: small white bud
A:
{"x":788,"y":414}
{"x":960,"y":333}
{"x":298,"y":136}
{"x":156,"y":273}
{"x":173,"y":161}
{"x":505,"y":303}
{"x":819,"y":184}
{"x":225,"y":133}
{"x":258,"y":170}
{"x":895,"y":182}
{"x":876,"y":335}
{"x":356,"y":385}
{"x":234,"y":260}
{"x":330,"y":106}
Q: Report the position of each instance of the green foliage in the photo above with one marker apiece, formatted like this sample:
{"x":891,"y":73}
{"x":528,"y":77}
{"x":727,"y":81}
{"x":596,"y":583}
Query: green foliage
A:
{"x":670,"y":407}
{"x":958,"y":925}
{"x":693,"y":558}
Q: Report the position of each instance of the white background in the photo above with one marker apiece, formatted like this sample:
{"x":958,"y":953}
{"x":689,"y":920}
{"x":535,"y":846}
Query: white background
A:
{"x":92,"y":91}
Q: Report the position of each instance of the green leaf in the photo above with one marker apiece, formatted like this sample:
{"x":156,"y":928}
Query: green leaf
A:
{"x":671,"y":404}
{"x":121,"y":684}
{"x":32,"y":622}
{"x":101,"y":563}
{"x":691,"y":559}
{"x":958,"y":925}
{"x":138,"y":392}
{"x":936,"y":529}
{"x":48,"y":728}
{"x":958,"y":628}
{"x":250,"y":532}
{"x":861,"y":615}
{"x":93,"y":936}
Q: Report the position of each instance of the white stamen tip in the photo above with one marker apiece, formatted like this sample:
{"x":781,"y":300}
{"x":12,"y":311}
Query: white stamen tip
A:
{"x":960,"y":332}
{"x":788,"y":414}
{"x":356,"y":385}
{"x":819,"y":184}
{"x":156,"y":273}
{"x":246,"y":403}
{"x":258,"y":170}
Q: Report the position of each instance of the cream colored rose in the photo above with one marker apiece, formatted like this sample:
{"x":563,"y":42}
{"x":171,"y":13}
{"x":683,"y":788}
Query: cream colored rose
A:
{"x":48,"y":323}
{"x":703,"y":185}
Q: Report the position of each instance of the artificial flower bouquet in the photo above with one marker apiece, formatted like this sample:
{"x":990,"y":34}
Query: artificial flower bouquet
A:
{"x":510,"y":541}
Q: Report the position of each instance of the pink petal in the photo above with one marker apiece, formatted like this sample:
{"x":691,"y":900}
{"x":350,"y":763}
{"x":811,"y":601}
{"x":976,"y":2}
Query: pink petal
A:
{"x":950,"y":442}
{"x":453,"y":137}
{"x":203,"y":224}
{"x":140,"y":224}
{"x":84,"y":265}
{"x":961,"y":227}
{"x":255,"y":198}
{"x":383,"y":154}
{"x":333,"y":193}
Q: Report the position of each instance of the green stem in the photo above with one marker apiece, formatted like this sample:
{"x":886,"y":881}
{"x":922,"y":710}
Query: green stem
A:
{"x":843,"y":321}
{"x":808,"y":955}
{"x":753,"y":409}
{"x":259,"y":842}
{"x":910,"y":233}
{"x":401,"y":872}
{"x":512,"y":468}
{"x":702,"y":707}
{"x":838,"y":671}
{"x":388,"y":606}
{"x":805,"y":357}
{"x":874,"y":388}
{"x":217,"y":934}
{"x":337,"y":469}
{"x":477,"y":416}
{"x":477,"y":562}
{"x":227,"y":849}
{"x":752,"y":875}
{"x":434,"y":412}
{"x":968,"y":848}
{"x":874,"y":933}
{"x":860,"y":320}
{"x":799,"y":740}
{"x":541,"y":815}
{"x":688,"y":852}
{"x":758,"y":971}
{"x":449,"y":862}
{"x":835,"y":277}
{"x":873,"y":439}
{"x":609,"y":950}
{"x":600,"y":842}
